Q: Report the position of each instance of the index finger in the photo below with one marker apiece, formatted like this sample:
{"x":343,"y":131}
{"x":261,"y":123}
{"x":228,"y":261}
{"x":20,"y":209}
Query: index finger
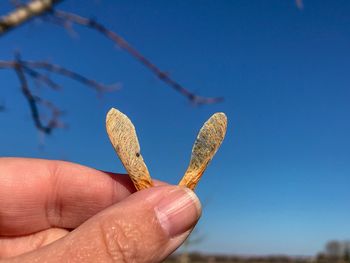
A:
{"x":38,"y":194}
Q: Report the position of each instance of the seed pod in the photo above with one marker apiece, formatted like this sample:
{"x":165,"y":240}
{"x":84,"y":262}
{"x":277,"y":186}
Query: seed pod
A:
{"x":123,"y":137}
{"x":207,"y":143}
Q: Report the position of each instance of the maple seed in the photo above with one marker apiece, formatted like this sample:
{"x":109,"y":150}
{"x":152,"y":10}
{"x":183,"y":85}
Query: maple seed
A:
{"x":123,"y":137}
{"x":207,"y":143}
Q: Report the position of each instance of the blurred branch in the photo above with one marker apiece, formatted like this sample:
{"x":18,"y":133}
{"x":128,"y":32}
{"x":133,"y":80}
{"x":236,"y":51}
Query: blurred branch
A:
{"x":40,"y":77}
{"x":2,"y":107}
{"x":65,"y":19}
{"x":71,"y":74}
{"x":33,"y":102}
{"x":24,"y":69}
{"x":24,"y":13}
{"x":299,"y":4}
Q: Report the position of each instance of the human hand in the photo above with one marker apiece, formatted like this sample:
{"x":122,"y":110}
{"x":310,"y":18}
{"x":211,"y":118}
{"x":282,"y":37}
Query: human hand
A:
{"x":54,"y":211}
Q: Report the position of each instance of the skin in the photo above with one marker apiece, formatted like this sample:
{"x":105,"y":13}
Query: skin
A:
{"x":55,"y":211}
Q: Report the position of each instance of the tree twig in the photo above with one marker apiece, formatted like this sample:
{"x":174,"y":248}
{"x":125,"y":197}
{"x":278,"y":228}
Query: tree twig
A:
{"x":73,"y":75}
{"x":33,"y":101}
{"x":299,"y":4}
{"x":122,"y":43}
{"x":40,"y":77}
{"x":2,"y":107}
{"x":24,"y":13}
{"x":30,"y":68}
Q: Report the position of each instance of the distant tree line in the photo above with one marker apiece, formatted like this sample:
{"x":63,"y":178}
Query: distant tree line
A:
{"x":335,"y":251}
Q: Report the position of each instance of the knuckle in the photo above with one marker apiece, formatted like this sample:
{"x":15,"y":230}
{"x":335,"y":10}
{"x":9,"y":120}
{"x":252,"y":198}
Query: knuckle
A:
{"x":121,"y":241}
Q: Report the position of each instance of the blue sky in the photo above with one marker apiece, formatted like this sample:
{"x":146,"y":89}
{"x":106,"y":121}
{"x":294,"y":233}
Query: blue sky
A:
{"x":279,"y":183}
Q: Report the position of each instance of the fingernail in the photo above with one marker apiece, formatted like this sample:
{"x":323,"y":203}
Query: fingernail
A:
{"x":178,"y":211}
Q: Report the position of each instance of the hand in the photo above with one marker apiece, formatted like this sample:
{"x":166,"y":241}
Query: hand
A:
{"x":54,"y":211}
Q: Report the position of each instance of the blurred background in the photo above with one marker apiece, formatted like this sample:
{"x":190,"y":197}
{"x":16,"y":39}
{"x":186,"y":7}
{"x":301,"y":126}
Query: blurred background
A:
{"x":279,"y":184}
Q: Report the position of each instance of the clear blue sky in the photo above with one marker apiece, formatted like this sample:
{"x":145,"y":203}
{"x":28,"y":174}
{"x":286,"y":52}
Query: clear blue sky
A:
{"x":280,"y":182}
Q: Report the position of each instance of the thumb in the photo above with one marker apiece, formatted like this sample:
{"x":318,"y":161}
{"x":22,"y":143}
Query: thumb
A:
{"x":145,"y":227}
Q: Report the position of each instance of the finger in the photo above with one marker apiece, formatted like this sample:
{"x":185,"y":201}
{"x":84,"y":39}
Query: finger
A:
{"x":14,"y":246}
{"x":38,"y":194}
{"x":145,"y":227}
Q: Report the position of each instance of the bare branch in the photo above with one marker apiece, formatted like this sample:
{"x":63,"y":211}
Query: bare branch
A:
{"x":30,"y":66}
{"x":7,"y":64}
{"x":2,"y":107}
{"x":32,"y":69}
{"x":24,"y":13}
{"x":40,"y":77}
{"x":122,"y":43}
{"x":71,"y":74}
{"x":55,"y":112}
{"x":24,"y":69}
{"x":39,"y":7}
{"x":299,"y":4}
{"x":33,"y":101}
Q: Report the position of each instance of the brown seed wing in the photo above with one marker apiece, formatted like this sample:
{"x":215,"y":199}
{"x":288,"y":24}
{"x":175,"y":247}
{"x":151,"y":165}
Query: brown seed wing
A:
{"x":206,"y":145}
{"x":122,"y":135}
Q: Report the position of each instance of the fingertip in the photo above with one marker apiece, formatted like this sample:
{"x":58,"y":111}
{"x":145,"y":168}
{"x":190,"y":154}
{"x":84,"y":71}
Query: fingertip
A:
{"x":178,"y":211}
